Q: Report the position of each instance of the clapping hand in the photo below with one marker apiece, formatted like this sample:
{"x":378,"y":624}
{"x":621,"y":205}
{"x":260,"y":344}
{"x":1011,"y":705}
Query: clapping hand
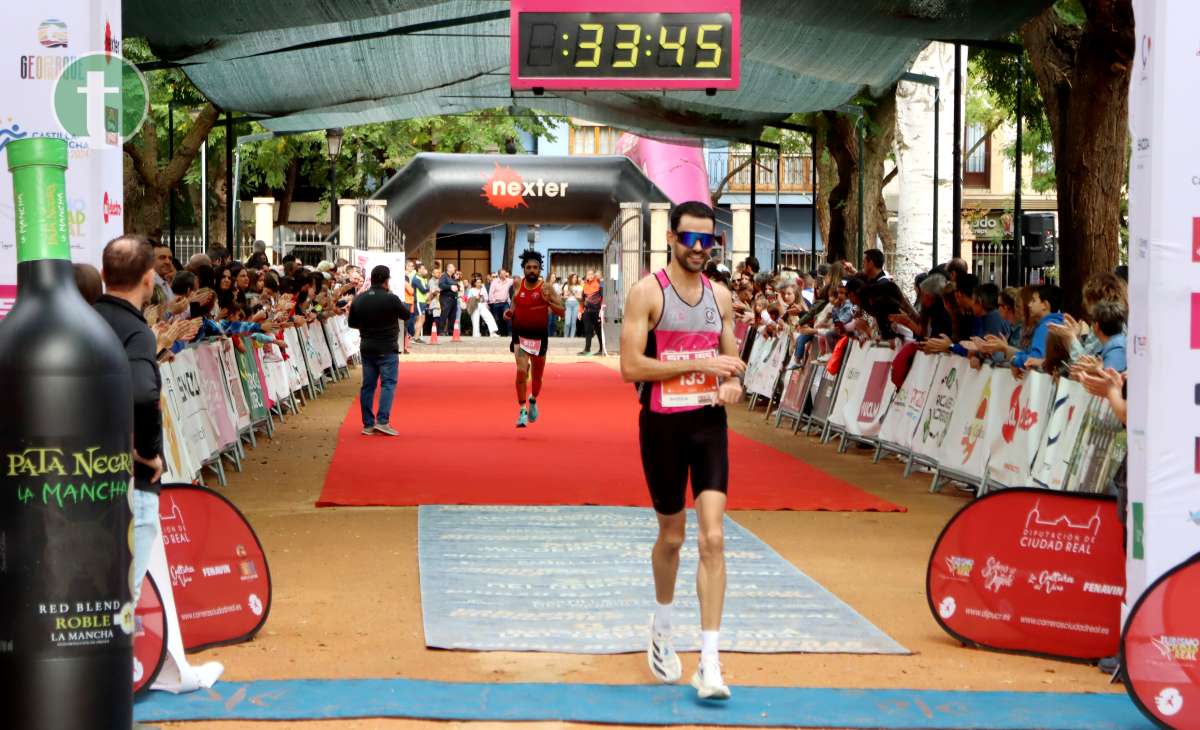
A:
{"x":937,"y":344}
{"x":1102,"y":383}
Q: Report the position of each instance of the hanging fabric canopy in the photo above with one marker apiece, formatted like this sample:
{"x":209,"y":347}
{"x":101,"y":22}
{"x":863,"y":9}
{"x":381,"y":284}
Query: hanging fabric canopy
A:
{"x":315,"y":65}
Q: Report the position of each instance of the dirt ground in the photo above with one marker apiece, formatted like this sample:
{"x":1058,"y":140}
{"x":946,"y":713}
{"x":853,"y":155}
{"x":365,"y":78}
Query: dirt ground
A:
{"x":346,"y":591}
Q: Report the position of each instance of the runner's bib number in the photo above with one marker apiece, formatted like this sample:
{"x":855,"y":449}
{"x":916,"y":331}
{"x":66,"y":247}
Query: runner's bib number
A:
{"x":690,"y":389}
{"x":533,"y":347}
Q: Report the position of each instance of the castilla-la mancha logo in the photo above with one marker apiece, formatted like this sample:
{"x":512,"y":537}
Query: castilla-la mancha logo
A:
{"x":506,"y":189}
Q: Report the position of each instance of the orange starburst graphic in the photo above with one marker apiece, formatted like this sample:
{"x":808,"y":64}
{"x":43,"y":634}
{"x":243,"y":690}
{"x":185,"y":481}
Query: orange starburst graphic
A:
{"x":500,"y":186}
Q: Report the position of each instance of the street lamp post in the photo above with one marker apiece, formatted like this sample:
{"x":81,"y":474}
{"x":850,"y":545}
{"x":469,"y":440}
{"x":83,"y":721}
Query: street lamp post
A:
{"x":333,"y":142}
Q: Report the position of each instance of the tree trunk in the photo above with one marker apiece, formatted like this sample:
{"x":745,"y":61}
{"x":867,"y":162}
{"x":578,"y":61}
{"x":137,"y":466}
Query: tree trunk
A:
{"x":841,"y":141}
{"x":1083,"y":74}
{"x":217,"y":203}
{"x":826,"y":178}
{"x":148,"y":185}
{"x":289,"y":191}
{"x":510,"y":246}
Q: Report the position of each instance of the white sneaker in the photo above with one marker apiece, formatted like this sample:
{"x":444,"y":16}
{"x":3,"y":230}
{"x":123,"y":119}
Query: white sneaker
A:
{"x":660,"y":655}
{"x":707,"y":680}
{"x":368,"y":430}
{"x":386,"y":429}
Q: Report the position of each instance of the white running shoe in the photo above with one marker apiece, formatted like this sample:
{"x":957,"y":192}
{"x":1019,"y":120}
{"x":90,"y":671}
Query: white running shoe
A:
{"x":660,"y":655}
{"x":386,"y":429}
{"x":708,"y":682}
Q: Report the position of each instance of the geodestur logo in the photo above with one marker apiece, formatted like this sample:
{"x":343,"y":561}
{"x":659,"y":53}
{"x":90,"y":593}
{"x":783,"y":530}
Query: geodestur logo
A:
{"x":102,"y":98}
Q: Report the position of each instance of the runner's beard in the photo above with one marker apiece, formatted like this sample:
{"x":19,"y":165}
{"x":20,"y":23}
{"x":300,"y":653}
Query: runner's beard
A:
{"x":686,"y":263}
{"x":532,"y":279}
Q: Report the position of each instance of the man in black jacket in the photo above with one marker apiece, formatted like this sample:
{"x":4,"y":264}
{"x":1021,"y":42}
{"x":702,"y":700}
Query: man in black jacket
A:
{"x":376,"y":314}
{"x":128,"y":272}
{"x":448,"y":288}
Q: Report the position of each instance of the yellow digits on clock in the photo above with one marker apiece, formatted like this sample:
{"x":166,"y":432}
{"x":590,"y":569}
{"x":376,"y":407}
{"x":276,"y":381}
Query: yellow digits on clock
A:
{"x":631,"y":46}
{"x":676,"y":46}
{"x":715,"y":61}
{"x":593,"y":45}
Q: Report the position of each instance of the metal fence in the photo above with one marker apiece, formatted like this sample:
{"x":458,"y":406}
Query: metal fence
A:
{"x":804,"y":261}
{"x":998,"y":262}
{"x":189,"y":242}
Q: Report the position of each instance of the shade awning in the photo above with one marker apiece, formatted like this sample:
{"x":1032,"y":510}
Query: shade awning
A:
{"x":797,"y":56}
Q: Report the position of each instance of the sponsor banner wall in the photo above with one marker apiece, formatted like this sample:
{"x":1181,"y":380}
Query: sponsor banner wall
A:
{"x":1016,"y":425}
{"x":39,"y":40}
{"x":853,"y":366}
{"x":768,"y":357}
{"x":1060,"y":440}
{"x":964,"y":449}
{"x":1033,"y":571}
{"x":1164,"y":291}
{"x":904,"y":413}
{"x":943,"y":399}
{"x":861,"y":404}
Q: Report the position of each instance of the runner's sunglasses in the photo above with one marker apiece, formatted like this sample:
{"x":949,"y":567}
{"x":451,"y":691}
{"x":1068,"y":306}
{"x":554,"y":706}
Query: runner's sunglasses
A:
{"x":691,"y":238}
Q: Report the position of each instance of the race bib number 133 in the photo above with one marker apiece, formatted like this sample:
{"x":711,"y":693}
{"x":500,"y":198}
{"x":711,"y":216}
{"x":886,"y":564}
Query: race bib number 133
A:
{"x":690,"y":389}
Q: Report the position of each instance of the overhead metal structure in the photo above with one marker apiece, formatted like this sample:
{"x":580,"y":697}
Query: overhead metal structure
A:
{"x":315,"y":65}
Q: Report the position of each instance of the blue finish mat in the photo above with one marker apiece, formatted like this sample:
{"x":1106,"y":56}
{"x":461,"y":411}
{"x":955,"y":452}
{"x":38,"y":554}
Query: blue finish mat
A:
{"x":578,"y":580}
{"x":312,"y":699}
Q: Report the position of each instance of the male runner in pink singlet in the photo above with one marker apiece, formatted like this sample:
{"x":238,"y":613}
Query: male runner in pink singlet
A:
{"x":677,"y":344}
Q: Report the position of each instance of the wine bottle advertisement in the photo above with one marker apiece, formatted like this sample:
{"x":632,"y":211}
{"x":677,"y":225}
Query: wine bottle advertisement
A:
{"x":39,"y":42}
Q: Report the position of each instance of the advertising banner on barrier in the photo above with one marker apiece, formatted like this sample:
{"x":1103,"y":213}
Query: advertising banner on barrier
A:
{"x":229,"y":367}
{"x":853,"y":370}
{"x":1060,"y":439}
{"x":864,"y":414}
{"x":1032,"y":571}
{"x":179,"y":465}
{"x":197,"y":426}
{"x":769,"y":355}
{"x":218,"y":571}
{"x":1161,"y":648}
{"x":904,"y":413}
{"x":939,"y":409}
{"x":212,"y":383}
{"x":965,"y":449}
{"x":149,"y":636}
{"x":1016,"y":424}
{"x":826,"y":391}
{"x":248,"y":373}
{"x":791,"y":403}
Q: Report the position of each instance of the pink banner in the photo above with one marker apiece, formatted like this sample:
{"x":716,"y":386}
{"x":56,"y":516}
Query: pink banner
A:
{"x":213,"y":382}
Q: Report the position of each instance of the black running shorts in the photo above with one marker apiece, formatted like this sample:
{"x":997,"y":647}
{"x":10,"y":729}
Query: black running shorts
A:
{"x":675,"y":445}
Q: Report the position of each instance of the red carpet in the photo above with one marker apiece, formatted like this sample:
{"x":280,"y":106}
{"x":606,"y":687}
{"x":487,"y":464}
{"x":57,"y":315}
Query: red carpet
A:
{"x":459,"y":445}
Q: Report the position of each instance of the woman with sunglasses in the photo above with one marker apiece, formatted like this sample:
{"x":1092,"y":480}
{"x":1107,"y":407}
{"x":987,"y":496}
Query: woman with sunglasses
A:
{"x":677,"y":344}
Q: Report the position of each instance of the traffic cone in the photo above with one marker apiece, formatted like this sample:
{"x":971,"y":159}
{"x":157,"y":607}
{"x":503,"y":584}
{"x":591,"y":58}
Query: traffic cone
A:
{"x":433,"y":335}
{"x":457,"y":330}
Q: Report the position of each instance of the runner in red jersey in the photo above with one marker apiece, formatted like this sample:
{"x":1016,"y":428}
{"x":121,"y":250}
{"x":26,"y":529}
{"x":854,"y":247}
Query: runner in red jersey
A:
{"x":532,"y":302}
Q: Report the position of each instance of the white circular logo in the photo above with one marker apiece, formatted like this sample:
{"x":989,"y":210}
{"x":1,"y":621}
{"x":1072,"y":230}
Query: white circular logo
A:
{"x":947,"y":607}
{"x":1169,"y":701}
{"x":256,"y":606}
{"x":138,"y":670}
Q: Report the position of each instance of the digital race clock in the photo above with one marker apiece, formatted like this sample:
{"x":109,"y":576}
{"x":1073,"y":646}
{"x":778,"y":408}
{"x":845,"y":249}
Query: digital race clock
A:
{"x":625,"y":44}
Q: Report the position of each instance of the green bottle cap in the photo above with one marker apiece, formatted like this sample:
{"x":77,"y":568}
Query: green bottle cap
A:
{"x":37,"y":151}
{"x":39,"y":171}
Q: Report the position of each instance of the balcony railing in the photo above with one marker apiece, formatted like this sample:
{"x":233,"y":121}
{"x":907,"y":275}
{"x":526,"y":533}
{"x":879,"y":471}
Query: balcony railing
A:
{"x":797,"y":172}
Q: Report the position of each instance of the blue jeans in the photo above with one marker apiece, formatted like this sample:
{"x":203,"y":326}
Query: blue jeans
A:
{"x":145,"y":530}
{"x":571,"y":317}
{"x":380,"y":368}
{"x":552,"y":325}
